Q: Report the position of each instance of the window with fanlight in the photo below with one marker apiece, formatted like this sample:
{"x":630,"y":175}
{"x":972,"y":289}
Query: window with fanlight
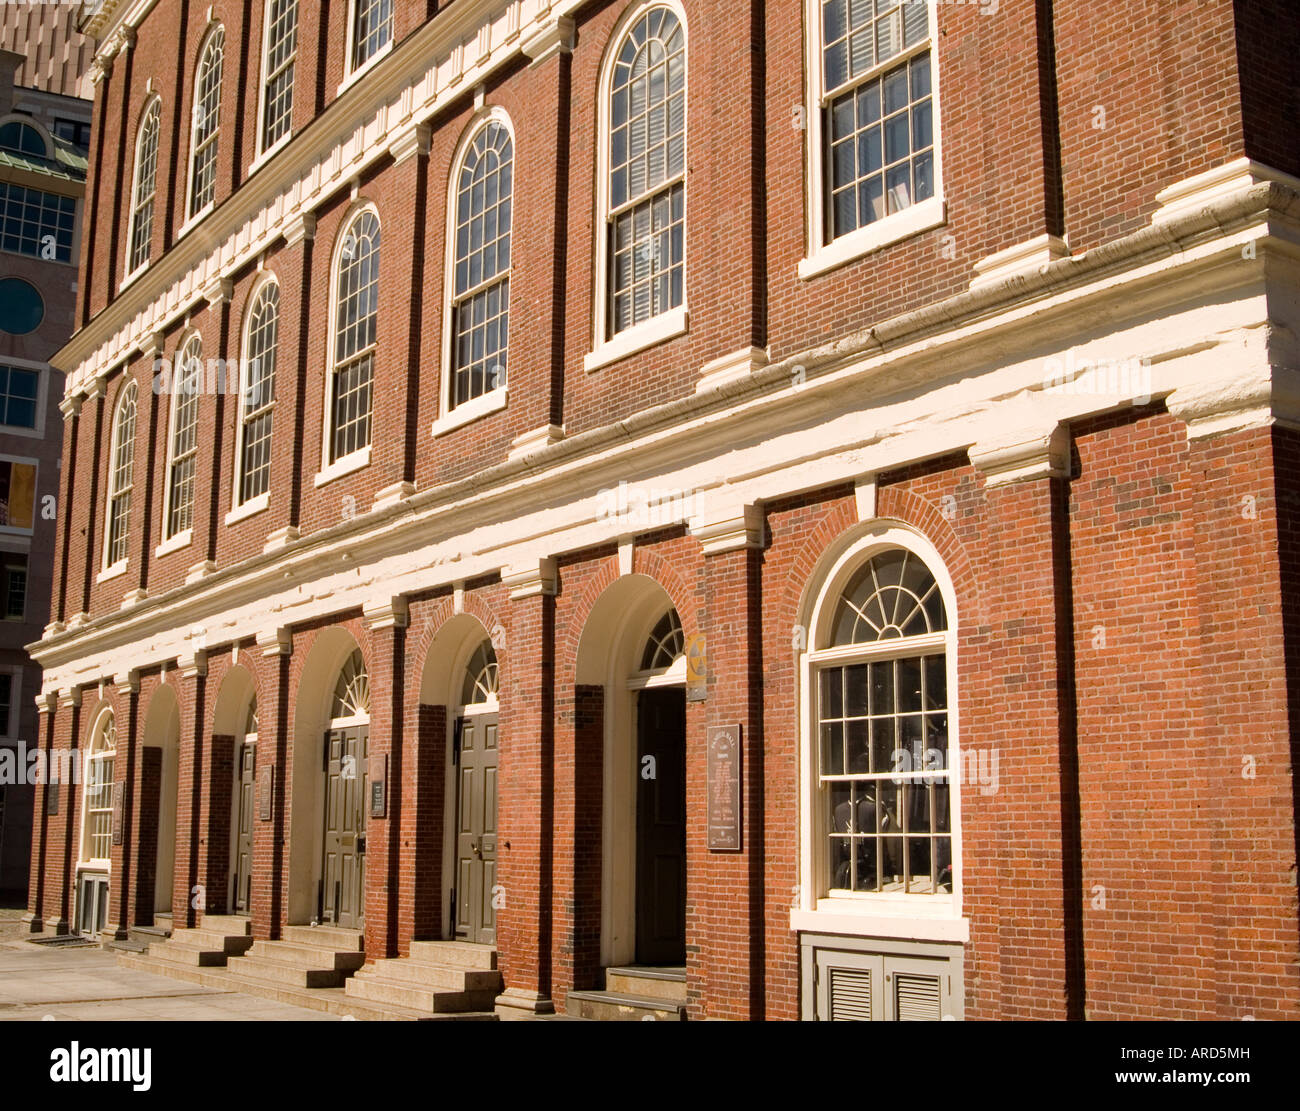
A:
{"x":97,"y":795}
{"x":355,"y":311}
{"x":880,"y":678}
{"x":205,"y":122}
{"x":351,"y":700}
{"x":481,"y":683}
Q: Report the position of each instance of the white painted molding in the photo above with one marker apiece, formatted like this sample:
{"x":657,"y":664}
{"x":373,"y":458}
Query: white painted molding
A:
{"x":1195,"y":194}
{"x":395,"y":494}
{"x":626,"y":554}
{"x":538,"y":438}
{"x":531,"y":579}
{"x":385,"y":613}
{"x":70,"y":406}
{"x":1024,"y":455}
{"x":864,"y":492}
{"x":412,"y":141}
{"x":78,"y":619}
{"x":280,"y":538}
{"x":69,"y":697}
{"x":854,"y":924}
{"x":218,"y":292}
{"x":1023,"y":258}
{"x":134,"y":597}
{"x":738,"y":528}
{"x":47,"y":702}
{"x":555,"y":36}
{"x":128,"y":682}
{"x":193,"y":664}
{"x":729,"y":368}
{"x":458,"y":598}
{"x":277,"y":641}
{"x":200,"y":570}
{"x":1232,"y":404}
{"x":299,"y":227}
{"x":53,"y":628}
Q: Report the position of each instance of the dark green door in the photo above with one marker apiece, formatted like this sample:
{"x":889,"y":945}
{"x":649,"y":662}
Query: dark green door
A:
{"x":244,"y":778}
{"x":475,"y":752}
{"x":661,"y":827}
{"x":343,"y":886}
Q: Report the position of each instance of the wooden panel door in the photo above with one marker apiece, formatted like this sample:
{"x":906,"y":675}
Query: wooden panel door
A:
{"x":475,"y":753}
{"x":343,"y":885}
{"x":661,"y":827}
{"x":245,"y":776}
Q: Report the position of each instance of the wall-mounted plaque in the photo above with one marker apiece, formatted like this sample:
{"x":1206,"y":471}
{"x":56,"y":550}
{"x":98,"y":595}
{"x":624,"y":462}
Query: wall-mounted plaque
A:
{"x":723,"y":810}
{"x":265,"y":787}
{"x":119,"y":792}
{"x":377,"y":769}
{"x":697,"y":669}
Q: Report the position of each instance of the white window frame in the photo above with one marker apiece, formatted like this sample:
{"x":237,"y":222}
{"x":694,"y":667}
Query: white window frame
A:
{"x":823,"y":255}
{"x":355,"y":460}
{"x":130,"y":272}
{"x":264,"y":152}
{"x":175,"y":541}
{"x":353,"y":74}
{"x":881,"y":914}
{"x":96,"y":732}
{"x":494,"y":400}
{"x":112,"y":570}
{"x":193,"y":216}
{"x":606,"y":349}
{"x":239,"y":510}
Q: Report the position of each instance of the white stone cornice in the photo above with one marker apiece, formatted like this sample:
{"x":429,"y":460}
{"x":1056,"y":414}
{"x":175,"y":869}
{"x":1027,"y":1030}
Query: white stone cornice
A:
{"x":1023,"y":455}
{"x":409,"y":142}
{"x":128,"y":682}
{"x":1022,"y":258}
{"x":201,"y":570}
{"x":528,"y":442}
{"x":280,"y":538}
{"x":70,"y":406}
{"x":554,"y":36}
{"x":528,"y":580}
{"x":95,"y":388}
{"x":385,"y":613}
{"x":1232,"y":404}
{"x":864,"y":490}
{"x":277,"y":641}
{"x":53,"y":629}
{"x":134,"y":597}
{"x":729,"y":530}
{"x":47,"y":702}
{"x":218,"y":292}
{"x":394,"y":494}
{"x":299,"y":227}
{"x":193,"y":664}
{"x":69,"y":697}
{"x":729,"y":368}
{"x":1195,"y":194}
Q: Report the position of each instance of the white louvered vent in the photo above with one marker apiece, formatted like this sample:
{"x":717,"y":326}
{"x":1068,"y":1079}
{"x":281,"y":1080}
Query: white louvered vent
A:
{"x":917,"y":998}
{"x":850,"y":994}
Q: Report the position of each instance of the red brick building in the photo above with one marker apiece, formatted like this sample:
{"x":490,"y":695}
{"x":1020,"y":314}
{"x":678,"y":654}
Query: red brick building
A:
{"x":665,"y":508}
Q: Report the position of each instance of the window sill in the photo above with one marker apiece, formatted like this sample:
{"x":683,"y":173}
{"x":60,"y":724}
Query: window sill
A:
{"x":174,"y":544}
{"x":249,"y":508}
{"x":922,"y":217}
{"x":369,"y":64}
{"x":857,"y":919}
{"x":132,"y":277}
{"x":466,"y":413}
{"x":116,"y":571}
{"x":346,"y":465}
{"x":665,"y":326}
{"x":270,"y":152}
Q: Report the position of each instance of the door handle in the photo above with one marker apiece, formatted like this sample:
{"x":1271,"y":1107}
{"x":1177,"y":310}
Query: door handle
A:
{"x":476,"y":847}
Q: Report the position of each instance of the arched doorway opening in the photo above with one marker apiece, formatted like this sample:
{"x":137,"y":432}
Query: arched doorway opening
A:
{"x":234,"y":723}
{"x":461,"y":680}
{"x":162,"y":732}
{"x":633,"y":648}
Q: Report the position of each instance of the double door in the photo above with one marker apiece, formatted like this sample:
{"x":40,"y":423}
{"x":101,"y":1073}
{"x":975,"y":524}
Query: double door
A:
{"x":343,"y":884}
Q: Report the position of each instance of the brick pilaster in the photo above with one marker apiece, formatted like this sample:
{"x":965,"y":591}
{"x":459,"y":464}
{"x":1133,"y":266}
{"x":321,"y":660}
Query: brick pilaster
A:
{"x":270,"y":869}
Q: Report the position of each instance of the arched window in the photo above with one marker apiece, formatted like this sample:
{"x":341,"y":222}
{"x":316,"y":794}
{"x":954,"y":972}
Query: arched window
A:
{"x":481,"y":677}
{"x":645,"y":188}
{"x":280,"y":49}
{"x":22,"y":138}
{"x":880,"y":681}
{"x":480,"y":304}
{"x":121,"y":479}
{"x":145,"y":187}
{"x":183,"y":443}
{"x":352,"y":691}
{"x":257,"y":397}
{"x":666,"y":644}
{"x":372,"y":29}
{"x":250,"y":722}
{"x":97,"y":807}
{"x":206,"y":122}
{"x":356,"y":312}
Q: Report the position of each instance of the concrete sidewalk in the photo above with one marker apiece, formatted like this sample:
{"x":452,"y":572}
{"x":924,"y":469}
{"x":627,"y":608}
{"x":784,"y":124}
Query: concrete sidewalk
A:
{"x":70,"y":984}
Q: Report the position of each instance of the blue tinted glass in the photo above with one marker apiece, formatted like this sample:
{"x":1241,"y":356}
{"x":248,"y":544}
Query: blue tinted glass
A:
{"x":21,"y":307}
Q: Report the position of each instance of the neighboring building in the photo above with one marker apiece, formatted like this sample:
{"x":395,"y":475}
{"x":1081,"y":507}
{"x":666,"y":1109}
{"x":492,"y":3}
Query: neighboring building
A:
{"x":43,"y":147}
{"x":801,"y":497}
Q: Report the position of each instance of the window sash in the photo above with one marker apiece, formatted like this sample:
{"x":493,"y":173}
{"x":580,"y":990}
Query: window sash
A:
{"x":146,"y":187}
{"x":281,"y":55}
{"x":206,"y":124}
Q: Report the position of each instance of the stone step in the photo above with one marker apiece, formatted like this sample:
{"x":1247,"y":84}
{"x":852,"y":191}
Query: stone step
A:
{"x":309,"y":955}
{"x":332,"y":936}
{"x":454,"y":954}
{"x":403,"y":993}
{"x":440,"y":976}
{"x":292,"y":972}
{"x":230,"y":924}
{"x":647,"y":983}
{"x":609,"y":1006}
{"x":173,"y":953}
{"x":328,"y":1000}
{"x":203,"y":938}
